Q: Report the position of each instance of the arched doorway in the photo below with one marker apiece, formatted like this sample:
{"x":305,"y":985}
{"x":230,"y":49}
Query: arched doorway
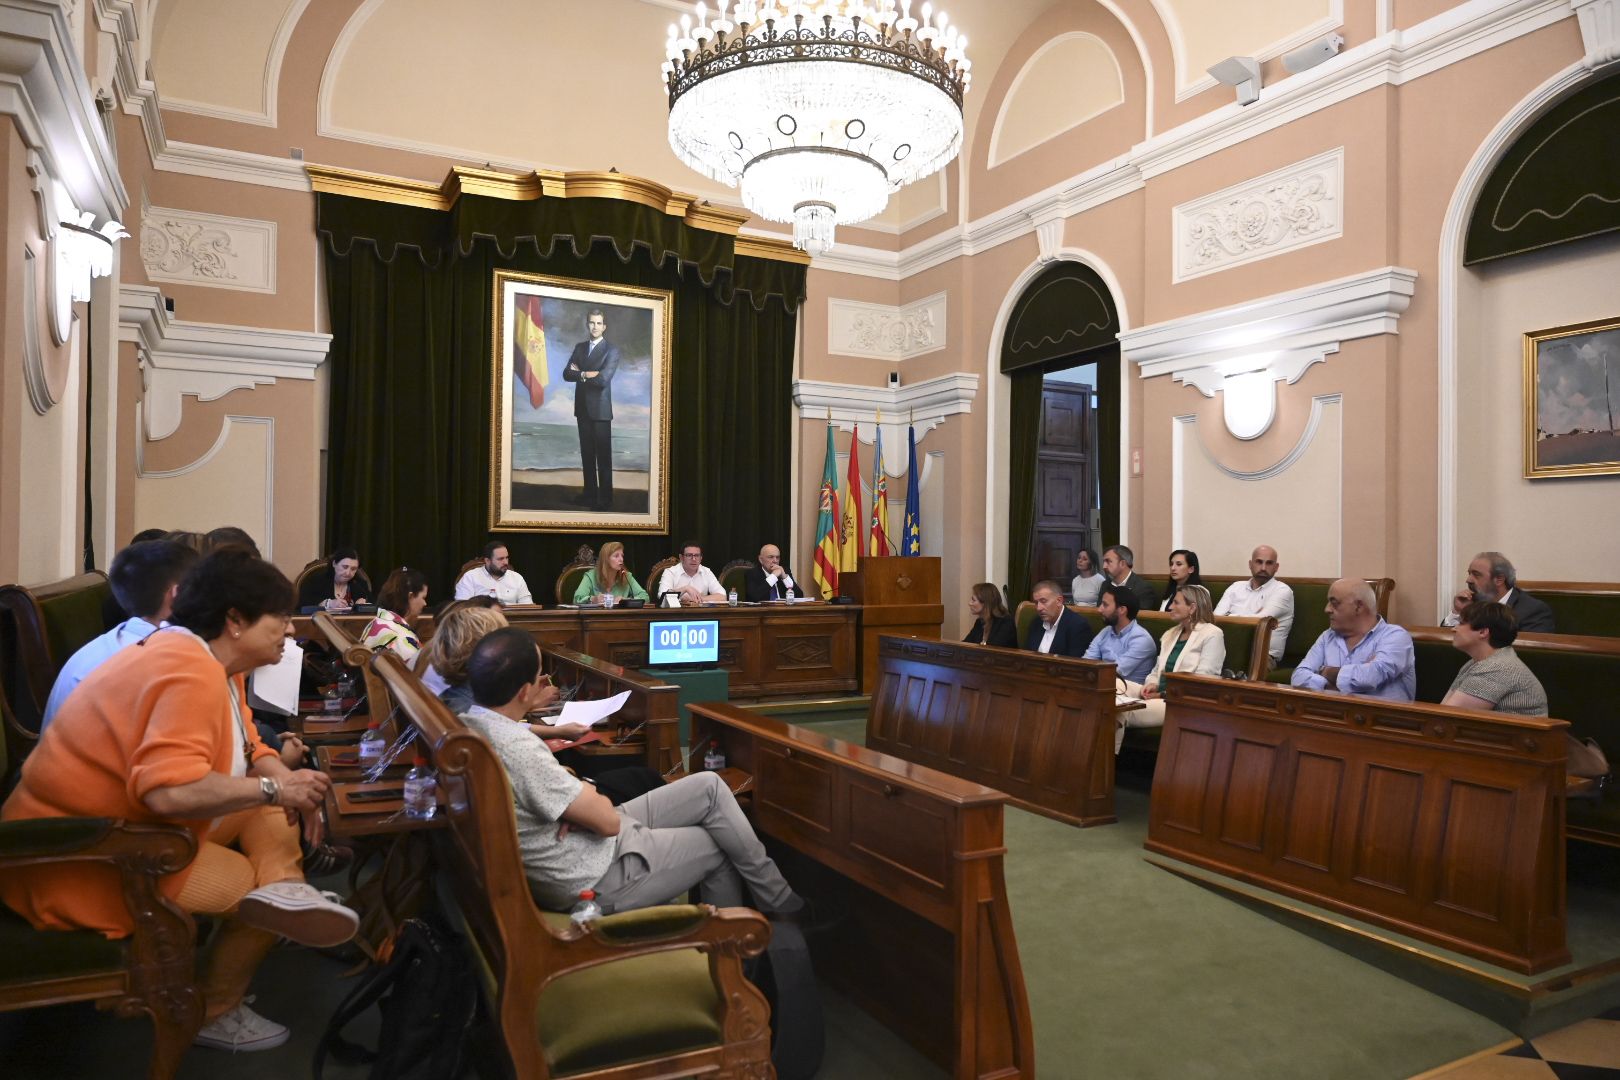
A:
{"x":1060,"y":352}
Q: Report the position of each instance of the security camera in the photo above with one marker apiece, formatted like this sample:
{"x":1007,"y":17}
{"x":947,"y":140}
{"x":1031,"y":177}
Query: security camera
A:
{"x":1308,"y":56}
{"x":1241,"y":72}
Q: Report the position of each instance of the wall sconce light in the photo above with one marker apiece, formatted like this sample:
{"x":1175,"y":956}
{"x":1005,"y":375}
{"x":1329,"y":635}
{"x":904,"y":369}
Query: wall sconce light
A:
{"x":1241,"y":72}
{"x":82,"y":254}
{"x":1249,"y":403}
{"x":1248,"y":384}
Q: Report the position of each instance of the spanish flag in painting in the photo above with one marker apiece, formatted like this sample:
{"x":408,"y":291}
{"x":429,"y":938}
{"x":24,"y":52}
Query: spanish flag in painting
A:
{"x":529,"y":349}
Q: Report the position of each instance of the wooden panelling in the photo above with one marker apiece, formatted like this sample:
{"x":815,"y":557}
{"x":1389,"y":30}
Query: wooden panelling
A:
{"x":928,"y":946}
{"x":1440,"y":823}
{"x":1040,"y":728}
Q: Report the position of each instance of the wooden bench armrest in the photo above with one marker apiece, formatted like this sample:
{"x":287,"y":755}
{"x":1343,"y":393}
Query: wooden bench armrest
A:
{"x":737,"y":932}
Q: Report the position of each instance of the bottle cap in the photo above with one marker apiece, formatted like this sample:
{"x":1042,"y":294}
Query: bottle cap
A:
{"x":373,"y":724}
{"x":421,"y":759}
{"x":714,"y":744}
{"x":588,"y":894}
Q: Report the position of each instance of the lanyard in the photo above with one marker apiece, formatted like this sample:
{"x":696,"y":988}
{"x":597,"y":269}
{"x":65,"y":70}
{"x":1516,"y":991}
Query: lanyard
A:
{"x":230,"y":693}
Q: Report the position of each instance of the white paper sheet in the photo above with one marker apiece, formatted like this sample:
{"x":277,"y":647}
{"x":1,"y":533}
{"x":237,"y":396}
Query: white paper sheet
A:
{"x":592,"y":713}
{"x":275,"y":686}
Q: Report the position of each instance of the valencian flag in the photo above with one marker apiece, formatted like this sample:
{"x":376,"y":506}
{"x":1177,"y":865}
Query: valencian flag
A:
{"x":878,"y":539}
{"x":529,"y":350}
{"x":824,"y":566}
{"x":911,"y":539}
{"x":850,"y":552}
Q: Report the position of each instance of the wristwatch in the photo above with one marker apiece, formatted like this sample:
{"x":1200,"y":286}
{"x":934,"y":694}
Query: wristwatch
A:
{"x":270,"y":789}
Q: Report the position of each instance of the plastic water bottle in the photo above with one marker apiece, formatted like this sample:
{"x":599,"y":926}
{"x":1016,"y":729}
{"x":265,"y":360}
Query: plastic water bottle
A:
{"x":371,"y":744}
{"x":587,"y":910}
{"x":731,"y":597}
{"x":421,"y":791}
{"x":714,"y":760}
{"x":334,"y":698}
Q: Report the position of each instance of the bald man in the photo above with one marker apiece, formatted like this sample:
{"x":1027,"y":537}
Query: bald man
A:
{"x":1262,"y":594}
{"x":1359,"y":653}
{"x":769,"y":580}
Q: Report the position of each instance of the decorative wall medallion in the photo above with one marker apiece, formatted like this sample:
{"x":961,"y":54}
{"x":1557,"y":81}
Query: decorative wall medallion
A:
{"x":881,"y":332}
{"x":207,"y":249}
{"x":1291,"y":208}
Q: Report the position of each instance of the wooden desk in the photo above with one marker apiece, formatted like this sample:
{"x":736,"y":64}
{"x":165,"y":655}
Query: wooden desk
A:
{"x":648,"y":725}
{"x":770,"y":650}
{"x":1040,"y":728}
{"x":928,"y":947}
{"x":383,"y":818}
{"x":1444,"y":824}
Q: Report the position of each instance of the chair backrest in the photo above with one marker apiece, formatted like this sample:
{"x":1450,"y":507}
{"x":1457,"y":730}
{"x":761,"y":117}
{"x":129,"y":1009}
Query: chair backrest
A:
{"x":656,"y":573}
{"x":470,"y":564}
{"x":733,"y":575}
{"x":568,"y":581}
{"x":41,"y":626}
{"x":310,"y":569}
{"x":1310,"y":606}
{"x":1590,"y":608}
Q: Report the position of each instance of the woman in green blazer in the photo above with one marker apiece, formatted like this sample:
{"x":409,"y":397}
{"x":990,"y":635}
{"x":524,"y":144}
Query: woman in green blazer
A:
{"x":608,"y":576}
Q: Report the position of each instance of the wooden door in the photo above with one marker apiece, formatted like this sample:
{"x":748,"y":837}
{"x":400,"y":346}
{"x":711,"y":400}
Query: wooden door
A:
{"x":1065,"y":481}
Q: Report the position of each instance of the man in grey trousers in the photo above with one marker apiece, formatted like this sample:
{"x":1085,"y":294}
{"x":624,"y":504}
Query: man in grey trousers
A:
{"x":646,"y":852}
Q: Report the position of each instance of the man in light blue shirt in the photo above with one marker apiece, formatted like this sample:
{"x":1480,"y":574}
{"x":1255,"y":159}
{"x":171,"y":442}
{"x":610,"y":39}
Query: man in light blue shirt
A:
{"x":1359,"y":653}
{"x":144,"y":579}
{"x":1122,"y":640}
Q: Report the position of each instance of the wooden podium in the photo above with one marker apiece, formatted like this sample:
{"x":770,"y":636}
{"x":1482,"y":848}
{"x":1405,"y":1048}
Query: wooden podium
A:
{"x":899,"y":595}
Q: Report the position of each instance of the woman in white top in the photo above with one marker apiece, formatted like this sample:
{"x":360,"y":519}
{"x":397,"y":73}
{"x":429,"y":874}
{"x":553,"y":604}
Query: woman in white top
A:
{"x":1086,"y":589}
{"x":1195,"y":645}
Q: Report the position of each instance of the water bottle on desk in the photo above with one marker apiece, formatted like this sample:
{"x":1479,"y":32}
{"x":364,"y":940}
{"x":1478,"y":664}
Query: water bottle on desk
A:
{"x":586,"y":911}
{"x":371,"y":743}
{"x":334,"y":699}
{"x":731,"y":597}
{"x":713,"y":759}
{"x":421,"y":791}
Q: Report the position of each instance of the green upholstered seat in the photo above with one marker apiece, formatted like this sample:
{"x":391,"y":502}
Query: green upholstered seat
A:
{"x":73,"y":618}
{"x":35,"y":955}
{"x":1580,"y":685}
{"x":1591,"y":613}
{"x":569,"y":583}
{"x":734,"y":575}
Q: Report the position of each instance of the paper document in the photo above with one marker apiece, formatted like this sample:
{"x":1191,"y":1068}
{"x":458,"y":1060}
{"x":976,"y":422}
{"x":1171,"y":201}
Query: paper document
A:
{"x":275,"y":686}
{"x":592,"y":713}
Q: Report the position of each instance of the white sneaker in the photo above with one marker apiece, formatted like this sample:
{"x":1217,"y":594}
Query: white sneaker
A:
{"x":241,"y":1029}
{"x":300,"y":912}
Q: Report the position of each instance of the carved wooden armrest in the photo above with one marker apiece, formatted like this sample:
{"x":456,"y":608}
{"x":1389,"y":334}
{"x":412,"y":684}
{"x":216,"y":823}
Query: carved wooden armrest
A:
{"x":736,"y":932}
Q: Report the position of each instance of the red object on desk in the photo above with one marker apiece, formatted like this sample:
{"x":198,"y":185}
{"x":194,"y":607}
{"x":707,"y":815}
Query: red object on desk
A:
{"x":555,"y":745}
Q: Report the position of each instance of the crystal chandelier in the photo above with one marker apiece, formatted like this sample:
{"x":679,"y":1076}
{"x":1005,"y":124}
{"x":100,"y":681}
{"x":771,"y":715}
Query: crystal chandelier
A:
{"x":818,"y":112}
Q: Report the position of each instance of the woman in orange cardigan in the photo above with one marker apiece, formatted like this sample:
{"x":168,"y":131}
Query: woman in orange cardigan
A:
{"x":160,"y":733}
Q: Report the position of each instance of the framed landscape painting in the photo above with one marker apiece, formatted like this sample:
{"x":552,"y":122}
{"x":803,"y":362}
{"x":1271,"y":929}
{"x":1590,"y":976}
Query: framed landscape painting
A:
{"x":579,"y":405}
{"x":1572,"y":400}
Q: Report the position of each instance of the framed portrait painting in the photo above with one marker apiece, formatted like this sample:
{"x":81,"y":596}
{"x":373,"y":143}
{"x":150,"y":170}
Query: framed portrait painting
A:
{"x":1572,"y":400}
{"x":579,"y":405}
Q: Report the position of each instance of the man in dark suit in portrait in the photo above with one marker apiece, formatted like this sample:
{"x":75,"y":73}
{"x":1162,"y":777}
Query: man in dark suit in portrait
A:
{"x":1057,"y":630}
{"x":591,"y":368}
{"x":1492,"y":577}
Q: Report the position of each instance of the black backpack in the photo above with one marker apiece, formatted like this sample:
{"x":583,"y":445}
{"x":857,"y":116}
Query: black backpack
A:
{"x":784,"y":975}
{"x":428,"y":999}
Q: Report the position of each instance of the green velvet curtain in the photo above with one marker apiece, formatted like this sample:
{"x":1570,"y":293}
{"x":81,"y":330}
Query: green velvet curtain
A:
{"x":410,"y":293}
{"x":1023,"y":445}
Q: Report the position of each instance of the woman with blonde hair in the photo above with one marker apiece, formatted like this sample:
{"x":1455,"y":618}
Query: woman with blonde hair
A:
{"x":609,"y":577}
{"x":443,"y":663}
{"x":1194,"y":646}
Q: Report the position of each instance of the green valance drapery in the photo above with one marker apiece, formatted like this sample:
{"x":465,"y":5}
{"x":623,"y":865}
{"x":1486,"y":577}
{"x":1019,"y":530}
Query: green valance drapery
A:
{"x":410,"y":289}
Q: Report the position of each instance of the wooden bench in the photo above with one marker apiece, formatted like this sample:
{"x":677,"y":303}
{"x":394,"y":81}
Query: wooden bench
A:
{"x":41,"y":627}
{"x":1040,"y":728}
{"x":1586,"y":608}
{"x":1248,"y":637}
{"x":658,"y":992}
{"x":1580,"y":675}
{"x":153,"y":971}
{"x":928,"y":947}
{"x":647,"y":727}
{"x":1445,"y":824}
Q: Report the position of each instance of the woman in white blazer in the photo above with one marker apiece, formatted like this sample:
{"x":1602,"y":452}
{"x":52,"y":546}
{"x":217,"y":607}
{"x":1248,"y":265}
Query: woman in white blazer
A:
{"x":1195,"y":645}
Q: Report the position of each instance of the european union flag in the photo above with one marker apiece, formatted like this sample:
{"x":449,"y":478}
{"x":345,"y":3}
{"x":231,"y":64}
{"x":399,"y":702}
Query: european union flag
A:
{"x":911,"y":538}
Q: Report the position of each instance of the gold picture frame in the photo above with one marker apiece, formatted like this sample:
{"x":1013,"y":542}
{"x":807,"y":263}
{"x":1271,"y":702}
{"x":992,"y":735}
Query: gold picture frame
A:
{"x":1572,"y":400}
{"x":548,"y":443}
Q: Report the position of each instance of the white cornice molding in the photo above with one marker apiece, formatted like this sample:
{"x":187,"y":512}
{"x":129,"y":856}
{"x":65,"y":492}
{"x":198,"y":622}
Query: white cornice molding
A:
{"x":44,"y":88}
{"x":1391,"y":59}
{"x":1296,"y":324}
{"x":924,"y":405}
{"x":1600,"y":30}
{"x":207,"y":360}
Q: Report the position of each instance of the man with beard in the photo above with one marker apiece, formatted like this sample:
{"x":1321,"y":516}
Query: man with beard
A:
{"x":1262,"y":594}
{"x":1491,"y":577}
{"x":495,"y":578}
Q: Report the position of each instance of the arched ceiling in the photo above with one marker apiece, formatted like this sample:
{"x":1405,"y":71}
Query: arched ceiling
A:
{"x":1069,"y":80}
{"x":1203,"y":33}
{"x":222,"y":57}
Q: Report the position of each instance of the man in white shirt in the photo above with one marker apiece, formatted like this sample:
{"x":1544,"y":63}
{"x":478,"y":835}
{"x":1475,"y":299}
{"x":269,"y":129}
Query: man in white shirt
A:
{"x":1262,"y":594}
{"x":144,"y":580}
{"x":689,"y":583}
{"x":495,"y":578}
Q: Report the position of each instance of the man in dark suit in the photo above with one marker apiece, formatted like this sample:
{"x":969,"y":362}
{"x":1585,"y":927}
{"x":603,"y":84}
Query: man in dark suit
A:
{"x":1058,"y":630}
{"x":769,"y":580}
{"x":591,"y":367}
{"x":1117,"y":565}
{"x":1492,"y":577}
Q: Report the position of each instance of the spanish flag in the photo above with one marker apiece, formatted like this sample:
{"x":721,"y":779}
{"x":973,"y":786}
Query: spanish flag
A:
{"x":854,"y":521}
{"x":824,"y":566}
{"x":529,"y":350}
